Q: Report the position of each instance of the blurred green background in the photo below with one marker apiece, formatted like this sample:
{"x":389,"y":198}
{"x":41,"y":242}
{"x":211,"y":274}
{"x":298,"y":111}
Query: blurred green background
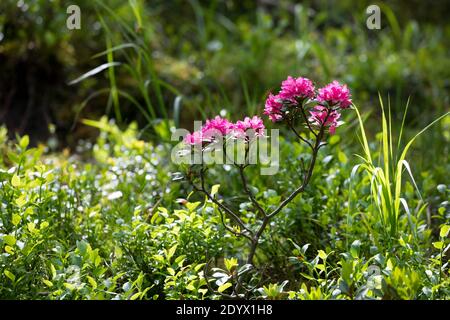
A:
{"x":153,"y":65}
{"x":170,"y":62}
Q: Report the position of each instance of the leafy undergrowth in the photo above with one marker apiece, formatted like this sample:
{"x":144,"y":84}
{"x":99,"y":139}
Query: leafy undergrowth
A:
{"x":116,"y":226}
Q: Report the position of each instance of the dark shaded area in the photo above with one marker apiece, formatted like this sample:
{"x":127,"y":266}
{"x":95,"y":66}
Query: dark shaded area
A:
{"x":38,"y":56}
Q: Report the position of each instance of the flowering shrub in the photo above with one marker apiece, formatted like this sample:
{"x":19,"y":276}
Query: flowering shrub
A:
{"x":296,"y":93}
{"x":290,"y":106}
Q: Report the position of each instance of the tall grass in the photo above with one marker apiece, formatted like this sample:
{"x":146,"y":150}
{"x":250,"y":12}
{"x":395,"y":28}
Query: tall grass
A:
{"x":137,"y":63}
{"x":386,"y":172}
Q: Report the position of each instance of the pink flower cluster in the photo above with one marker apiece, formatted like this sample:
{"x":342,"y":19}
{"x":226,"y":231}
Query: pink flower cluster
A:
{"x":296,"y":88}
{"x":218,"y":124}
{"x":195,"y":138}
{"x":320,"y":115}
{"x":294,"y":91}
{"x":273,"y":108}
{"x":335,"y":95}
{"x":256,"y":124}
{"x":223,"y":127}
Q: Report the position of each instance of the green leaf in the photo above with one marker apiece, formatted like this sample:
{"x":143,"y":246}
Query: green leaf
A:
{"x":224,"y":287}
{"x":444,"y":231}
{"x":438,"y":245}
{"x":16,"y":219}
{"x":24,"y":142}
{"x":244,"y":269}
{"x":180,"y":260}
{"x":10,"y":240}
{"x":94,"y":72}
{"x":44,"y":225}
{"x":322,"y":254}
{"x":15,"y":181}
{"x":307,"y":276}
{"x":50,"y":177}
{"x":21,"y":201}
{"x":83,"y":247}
{"x":48,"y":283}
{"x":171,"y":252}
{"x":354,"y":249}
{"x":215,"y":189}
{"x":190,"y":287}
{"x":9,"y":249}
{"x":69,"y":286}
{"x":53,"y":269}
{"x":31,"y":227}
{"x":199,"y":266}
{"x":135,"y":296}
{"x":321,"y":267}
{"x":334,"y":139}
{"x":230,"y":264}
{"x":342,"y":157}
{"x":92,"y":282}
{"x":171,"y":271}
{"x":192,"y":205}
{"x":10,"y":275}
{"x":346,"y":271}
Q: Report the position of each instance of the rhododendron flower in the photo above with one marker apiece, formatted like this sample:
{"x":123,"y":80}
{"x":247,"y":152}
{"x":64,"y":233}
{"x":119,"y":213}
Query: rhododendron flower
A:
{"x":273,"y":108}
{"x":296,"y":88}
{"x":335,"y":94}
{"x":319,"y":114}
{"x":218,"y":123}
{"x":194,"y":139}
{"x":255,"y":123}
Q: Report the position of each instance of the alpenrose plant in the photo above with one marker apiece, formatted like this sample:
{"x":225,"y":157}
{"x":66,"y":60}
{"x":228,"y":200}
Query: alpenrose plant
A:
{"x":311,"y":115}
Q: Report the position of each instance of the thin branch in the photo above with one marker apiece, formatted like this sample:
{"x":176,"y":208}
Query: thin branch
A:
{"x":307,"y":122}
{"x":230,"y":229}
{"x":299,"y":135}
{"x":308,"y":175}
{"x":249,"y":192}
{"x":223,"y":207}
{"x":255,"y":241}
{"x":251,"y":289}
{"x":202,"y":189}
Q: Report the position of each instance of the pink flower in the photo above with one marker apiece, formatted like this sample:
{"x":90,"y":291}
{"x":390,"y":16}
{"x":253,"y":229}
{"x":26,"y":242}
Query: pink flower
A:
{"x":296,"y":88}
{"x":273,"y":108}
{"x":212,"y":128}
{"x":335,"y":94}
{"x":196,"y":138}
{"x":220,"y":124}
{"x":319,"y":114}
{"x":255,"y":123}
